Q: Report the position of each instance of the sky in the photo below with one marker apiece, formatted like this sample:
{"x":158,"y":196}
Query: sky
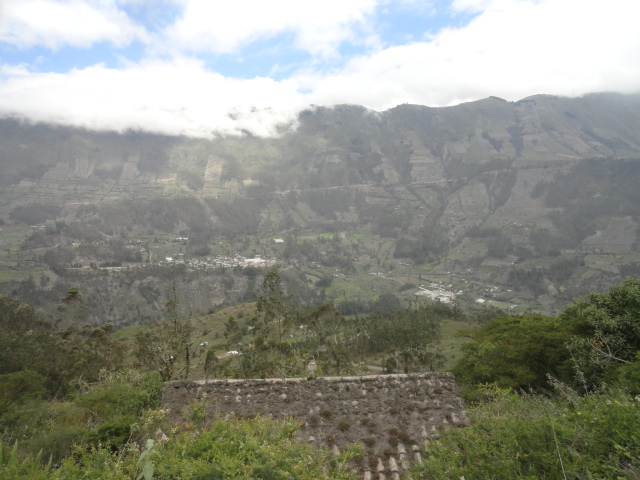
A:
{"x":229,"y":67}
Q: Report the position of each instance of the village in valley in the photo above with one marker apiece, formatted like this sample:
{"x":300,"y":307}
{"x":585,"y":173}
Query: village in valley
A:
{"x":363,"y":280}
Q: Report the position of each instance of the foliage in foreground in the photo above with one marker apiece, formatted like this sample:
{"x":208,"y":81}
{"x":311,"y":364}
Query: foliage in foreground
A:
{"x":107,"y":412}
{"x":593,"y":342}
{"x":609,"y":336}
{"x":238,"y":449}
{"x":517,"y":352}
{"x":596,"y":436}
{"x":106,"y":425}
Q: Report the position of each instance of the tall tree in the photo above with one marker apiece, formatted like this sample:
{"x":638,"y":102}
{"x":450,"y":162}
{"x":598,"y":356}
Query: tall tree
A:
{"x":329,"y":339}
{"x":27,"y":342}
{"x":272,"y":308}
{"x":232,"y":332}
{"x":72,"y":311}
{"x":168,"y":347}
{"x":411,"y":336}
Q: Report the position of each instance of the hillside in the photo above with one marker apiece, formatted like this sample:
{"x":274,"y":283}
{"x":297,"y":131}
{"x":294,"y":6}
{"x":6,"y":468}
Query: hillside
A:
{"x":547,"y":397}
{"x":523,"y":204}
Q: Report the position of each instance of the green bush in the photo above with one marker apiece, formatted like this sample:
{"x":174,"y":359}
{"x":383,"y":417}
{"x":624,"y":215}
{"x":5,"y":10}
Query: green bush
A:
{"x":32,"y":422}
{"x":248,"y":449}
{"x":102,"y":413}
{"x":18,"y":387}
{"x":114,"y":400}
{"x":517,"y":352}
{"x":608,"y":332}
{"x":114,"y":433}
{"x":57,"y":443}
{"x":629,"y":376}
{"x":534,"y":437}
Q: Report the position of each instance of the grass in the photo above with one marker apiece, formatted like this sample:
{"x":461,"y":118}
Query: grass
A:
{"x":16,"y":264}
{"x":385,"y":250}
{"x":327,"y":235}
{"x":363,"y":286}
{"x":536,"y":437}
{"x":8,"y":273}
{"x":451,"y":341}
{"x":358,"y":236}
{"x":427,"y":267}
{"x":258,"y":448}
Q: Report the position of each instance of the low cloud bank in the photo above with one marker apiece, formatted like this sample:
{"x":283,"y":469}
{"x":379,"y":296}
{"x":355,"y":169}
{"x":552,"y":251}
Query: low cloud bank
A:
{"x":510,"y":49}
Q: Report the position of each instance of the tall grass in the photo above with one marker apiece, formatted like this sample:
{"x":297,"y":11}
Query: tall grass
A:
{"x":528,"y":436}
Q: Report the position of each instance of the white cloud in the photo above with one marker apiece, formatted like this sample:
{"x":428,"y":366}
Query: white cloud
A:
{"x":54,"y":24}
{"x":474,"y":5}
{"x":513,"y":49}
{"x":177,"y":97}
{"x":224,"y":27}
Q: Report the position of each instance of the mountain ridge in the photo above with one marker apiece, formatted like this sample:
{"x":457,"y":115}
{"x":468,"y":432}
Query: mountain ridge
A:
{"x":505,"y":193}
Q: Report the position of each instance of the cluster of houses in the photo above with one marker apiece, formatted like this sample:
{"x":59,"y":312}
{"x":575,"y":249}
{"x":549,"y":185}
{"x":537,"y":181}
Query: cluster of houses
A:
{"x":438,"y":294}
{"x":220,"y":261}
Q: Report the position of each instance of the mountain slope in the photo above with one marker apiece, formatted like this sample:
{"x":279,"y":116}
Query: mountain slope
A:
{"x":537,"y":195}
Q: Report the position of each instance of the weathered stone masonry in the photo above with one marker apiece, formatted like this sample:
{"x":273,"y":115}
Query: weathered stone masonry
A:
{"x":393,"y":416}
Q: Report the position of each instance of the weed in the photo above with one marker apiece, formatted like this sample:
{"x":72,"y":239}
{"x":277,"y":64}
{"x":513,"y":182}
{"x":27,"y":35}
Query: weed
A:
{"x":145,"y":463}
{"x":197,"y":410}
{"x":344,"y":425}
{"x":314,"y":421}
{"x":330,"y":439}
{"x":369,"y":442}
{"x":404,"y":437}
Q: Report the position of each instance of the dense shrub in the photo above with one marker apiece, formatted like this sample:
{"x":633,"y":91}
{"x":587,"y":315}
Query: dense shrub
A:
{"x":256,"y":449}
{"x":608,"y":334}
{"x":103,"y":413}
{"x":517,"y":352}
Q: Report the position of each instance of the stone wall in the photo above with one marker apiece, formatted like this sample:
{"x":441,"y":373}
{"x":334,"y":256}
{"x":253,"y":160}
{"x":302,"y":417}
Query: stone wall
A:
{"x":392,"y":416}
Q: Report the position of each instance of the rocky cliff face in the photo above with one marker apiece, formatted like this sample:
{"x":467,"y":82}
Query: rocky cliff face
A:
{"x":409,"y":145}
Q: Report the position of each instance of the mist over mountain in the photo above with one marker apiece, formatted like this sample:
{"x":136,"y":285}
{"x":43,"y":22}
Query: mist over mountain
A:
{"x":536,"y":199}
